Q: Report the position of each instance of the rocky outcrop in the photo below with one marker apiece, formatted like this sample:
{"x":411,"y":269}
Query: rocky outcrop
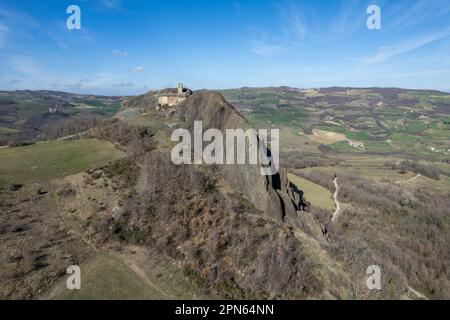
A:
{"x":274,"y":195}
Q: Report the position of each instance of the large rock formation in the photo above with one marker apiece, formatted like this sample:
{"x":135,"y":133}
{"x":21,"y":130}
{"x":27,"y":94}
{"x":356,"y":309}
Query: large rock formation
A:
{"x":272,"y":194}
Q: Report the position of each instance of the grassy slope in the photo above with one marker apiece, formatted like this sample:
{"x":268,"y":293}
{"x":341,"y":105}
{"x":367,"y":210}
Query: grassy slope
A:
{"x":107,"y":278}
{"x":52,"y":160}
{"x":314,"y":193}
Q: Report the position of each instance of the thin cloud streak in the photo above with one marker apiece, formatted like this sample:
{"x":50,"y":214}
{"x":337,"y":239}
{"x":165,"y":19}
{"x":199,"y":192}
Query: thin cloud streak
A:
{"x":267,"y":49}
{"x":406,"y":14}
{"x":386,"y":53}
{"x":138,"y":69}
{"x":112,"y":4}
{"x":119,"y":53}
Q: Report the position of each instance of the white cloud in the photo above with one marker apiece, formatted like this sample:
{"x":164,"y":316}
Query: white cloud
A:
{"x":295,"y":20}
{"x":387,"y":52}
{"x":112,"y":4}
{"x":298,"y":26}
{"x":3,"y":31}
{"x":138,"y":69}
{"x":122,"y":84}
{"x":347,"y":19}
{"x":404,"y":14}
{"x":267,"y":49}
{"x":237,"y":7}
{"x":26,"y":66}
{"x":76,"y":85}
{"x":119,"y":53}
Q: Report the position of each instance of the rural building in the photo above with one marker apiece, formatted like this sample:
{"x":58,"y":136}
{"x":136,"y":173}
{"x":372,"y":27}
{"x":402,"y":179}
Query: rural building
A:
{"x":173,"y":96}
{"x":355,"y":144}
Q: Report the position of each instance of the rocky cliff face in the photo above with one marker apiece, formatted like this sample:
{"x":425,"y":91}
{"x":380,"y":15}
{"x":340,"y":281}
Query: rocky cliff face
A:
{"x":272,"y":194}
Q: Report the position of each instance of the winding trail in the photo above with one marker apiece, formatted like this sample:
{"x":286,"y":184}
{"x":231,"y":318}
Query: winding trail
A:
{"x":336,"y":201}
{"x":143,"y":275}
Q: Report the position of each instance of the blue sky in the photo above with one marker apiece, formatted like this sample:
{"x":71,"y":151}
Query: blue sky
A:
{"x":132,"y":46}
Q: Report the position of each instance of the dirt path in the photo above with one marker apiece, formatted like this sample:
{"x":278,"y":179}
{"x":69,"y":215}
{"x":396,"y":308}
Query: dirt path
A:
{"x":409,"y":180}
{"x":417,"y":293}
{"x":143,"y":275}
{"x":414,"y":178}
{"x":336,"y":201}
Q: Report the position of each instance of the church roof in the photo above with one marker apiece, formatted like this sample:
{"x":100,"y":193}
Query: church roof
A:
{"x":173,"y":91}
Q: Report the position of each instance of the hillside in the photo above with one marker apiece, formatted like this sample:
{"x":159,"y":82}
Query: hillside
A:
{"x":50,"y":160}
{"x":38,"y":115}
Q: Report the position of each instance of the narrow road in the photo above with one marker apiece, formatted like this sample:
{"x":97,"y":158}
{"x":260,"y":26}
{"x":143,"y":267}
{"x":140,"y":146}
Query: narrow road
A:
{"x":336,"y":201}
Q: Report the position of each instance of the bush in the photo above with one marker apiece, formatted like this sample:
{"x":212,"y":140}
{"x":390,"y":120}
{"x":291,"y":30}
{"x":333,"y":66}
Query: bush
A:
{"x":407,"y":230}
{"x":414,"y":166}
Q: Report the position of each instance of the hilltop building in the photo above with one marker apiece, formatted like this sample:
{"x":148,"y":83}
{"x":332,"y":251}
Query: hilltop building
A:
{"x":173,"y":96}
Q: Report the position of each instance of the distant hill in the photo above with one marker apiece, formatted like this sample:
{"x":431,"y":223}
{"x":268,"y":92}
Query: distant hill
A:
{"x":384,"y":120}
{"x":35,"y":115}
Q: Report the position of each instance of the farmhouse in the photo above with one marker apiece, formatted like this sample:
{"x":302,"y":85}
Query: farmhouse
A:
{"x":173,"y":96}
{"x":355,"y":144}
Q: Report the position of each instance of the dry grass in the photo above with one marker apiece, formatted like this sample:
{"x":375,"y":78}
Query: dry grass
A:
{"x":107,"y":277}
{"x":327,"y":137}
{"x":55,"y":159}
{"x":317,"y":195}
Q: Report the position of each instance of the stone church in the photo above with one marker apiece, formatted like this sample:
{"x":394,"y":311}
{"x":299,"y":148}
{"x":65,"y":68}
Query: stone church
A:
{"x":173,"y":96}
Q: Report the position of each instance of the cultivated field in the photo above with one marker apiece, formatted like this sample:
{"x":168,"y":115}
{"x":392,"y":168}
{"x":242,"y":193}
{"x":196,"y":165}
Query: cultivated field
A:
{"x":380,"y":121}
{"x":327,"y":137}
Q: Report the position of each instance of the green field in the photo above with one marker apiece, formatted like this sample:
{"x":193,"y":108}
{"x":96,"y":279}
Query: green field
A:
{"x":378,"y":147}
{"x":317,"y":195}
{"x":344,"y":147}
{"x":102,"y":108}
{"x":52,"y":160}
{"x":359,"y":136}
